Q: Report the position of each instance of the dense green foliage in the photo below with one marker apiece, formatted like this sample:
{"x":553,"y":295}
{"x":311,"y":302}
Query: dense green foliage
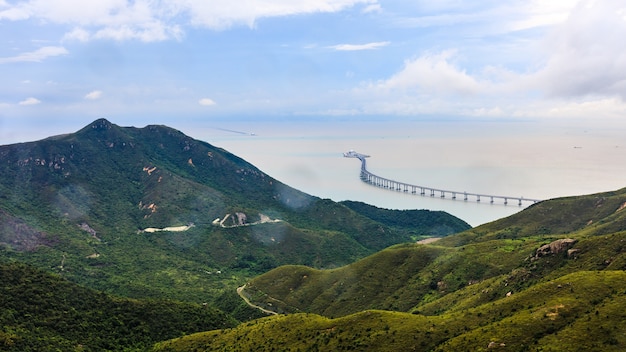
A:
{"x":583,"y":311}
{"x":548,"y":278}
{"x":76,"y":204}
{"x":405,"y":277}
{"x":551,"y":277}
{"x":579,"y":312}
{"x":420,"y":222}
{"x":43,"y":312}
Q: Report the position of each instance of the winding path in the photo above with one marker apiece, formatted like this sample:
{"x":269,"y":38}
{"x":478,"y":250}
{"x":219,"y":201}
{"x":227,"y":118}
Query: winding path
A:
{"x":245,"y":299}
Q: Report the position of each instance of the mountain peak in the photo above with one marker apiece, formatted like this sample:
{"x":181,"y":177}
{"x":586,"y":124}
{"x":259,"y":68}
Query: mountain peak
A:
{"x":101,"y":127}
{"x":101,"y":124}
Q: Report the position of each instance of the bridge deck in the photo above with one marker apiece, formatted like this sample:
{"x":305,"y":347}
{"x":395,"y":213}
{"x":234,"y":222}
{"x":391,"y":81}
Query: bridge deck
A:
{"x":382,"y":182}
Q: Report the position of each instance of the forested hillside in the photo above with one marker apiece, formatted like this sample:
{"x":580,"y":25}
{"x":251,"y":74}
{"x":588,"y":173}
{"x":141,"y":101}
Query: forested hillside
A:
{"x":43,"y":312}
{"x":150,"y":213}
{"x":548,"y":278}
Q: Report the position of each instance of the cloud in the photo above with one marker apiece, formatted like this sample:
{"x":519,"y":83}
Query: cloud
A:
{"x":478,"y":19}
{"x":30,"y":101}
{"x":432,"y":74}
{"x":372,"y":8}
{"x":537,"y":13}
{"x":586,"y":54}
{"x":356,"y":47}
{"x":221,"y":14}
{"x":161,"y":20}
{"x":77,"y":34}
{"x":36,"y":56}
{"x":12,"y":13}
{"x":94,"y":95}
{"x":206,"y":102}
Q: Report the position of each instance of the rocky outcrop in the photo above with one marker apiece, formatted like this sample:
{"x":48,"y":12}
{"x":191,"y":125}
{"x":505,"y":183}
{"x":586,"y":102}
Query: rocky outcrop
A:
{"x":555,"y":247}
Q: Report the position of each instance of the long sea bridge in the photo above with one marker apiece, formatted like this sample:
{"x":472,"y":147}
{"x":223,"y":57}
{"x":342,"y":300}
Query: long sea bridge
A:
{"x":386,"y":183}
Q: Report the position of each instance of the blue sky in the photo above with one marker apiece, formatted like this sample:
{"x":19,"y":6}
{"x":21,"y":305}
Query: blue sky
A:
{"x":64,"y":63}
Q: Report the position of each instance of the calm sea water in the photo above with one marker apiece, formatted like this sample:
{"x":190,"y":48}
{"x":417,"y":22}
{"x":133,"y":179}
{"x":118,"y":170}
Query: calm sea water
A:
{"x":531,"y":159}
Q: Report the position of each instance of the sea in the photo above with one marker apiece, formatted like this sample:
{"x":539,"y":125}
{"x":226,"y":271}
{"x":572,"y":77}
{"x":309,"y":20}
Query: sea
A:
{"x":530,"y":158}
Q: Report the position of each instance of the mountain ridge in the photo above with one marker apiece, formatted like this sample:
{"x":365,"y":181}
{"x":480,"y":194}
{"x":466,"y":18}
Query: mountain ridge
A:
{"x":82,"y":201}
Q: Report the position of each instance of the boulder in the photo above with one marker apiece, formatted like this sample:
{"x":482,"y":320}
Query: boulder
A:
{"x":555,"y":247}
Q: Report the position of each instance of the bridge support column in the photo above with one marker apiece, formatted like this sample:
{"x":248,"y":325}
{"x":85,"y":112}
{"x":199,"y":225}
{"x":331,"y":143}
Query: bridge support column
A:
{"x":374,"y":180}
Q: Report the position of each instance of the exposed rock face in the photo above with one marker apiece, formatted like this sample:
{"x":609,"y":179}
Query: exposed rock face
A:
{"x":555,"y":247}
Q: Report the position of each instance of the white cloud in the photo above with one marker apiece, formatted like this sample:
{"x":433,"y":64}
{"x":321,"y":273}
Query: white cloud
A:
{"x":36,"y":56}
{"x":372,"y":8}
{"x":538,"y":13}
{"x":13,"y":13}
{"x":30,"y":101}
{"x":149,"y":21}
{"x":579,"y":72}
{"x":206,"y":102}
{"x":432,"y":74}
{"x":488,"y":18}
{"x":220,"y":14}
{"x":94,"y":95}
{"x":78,"y":34}
{"x":356,"y":47}
{"x":587,"y":55}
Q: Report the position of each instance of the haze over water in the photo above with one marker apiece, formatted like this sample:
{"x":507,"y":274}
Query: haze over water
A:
{"x":531,"y":159}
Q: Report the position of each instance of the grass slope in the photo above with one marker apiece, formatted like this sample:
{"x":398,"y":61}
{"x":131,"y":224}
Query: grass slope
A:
{"x":579,"y":311}
{"x":411,"y":277}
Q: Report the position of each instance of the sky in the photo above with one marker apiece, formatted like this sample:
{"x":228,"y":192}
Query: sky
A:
{"x":65,"y":63}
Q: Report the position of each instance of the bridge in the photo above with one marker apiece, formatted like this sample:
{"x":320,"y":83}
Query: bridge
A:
{"x":386,"y":183}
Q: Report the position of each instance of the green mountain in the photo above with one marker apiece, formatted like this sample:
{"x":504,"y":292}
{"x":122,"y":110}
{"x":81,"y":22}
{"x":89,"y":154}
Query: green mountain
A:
{"x":152,"y":213}
{"x":548,"y":278}
{"x":421,"y":222}
{"x":408,"y":276}
{"x":43,"y":312}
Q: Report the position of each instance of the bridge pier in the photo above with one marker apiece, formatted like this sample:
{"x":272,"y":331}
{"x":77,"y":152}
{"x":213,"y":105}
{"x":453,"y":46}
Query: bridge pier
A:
{"x":382,"y":182}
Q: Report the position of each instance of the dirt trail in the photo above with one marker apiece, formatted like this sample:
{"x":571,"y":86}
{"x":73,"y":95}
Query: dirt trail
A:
{"x":240,"y":293}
